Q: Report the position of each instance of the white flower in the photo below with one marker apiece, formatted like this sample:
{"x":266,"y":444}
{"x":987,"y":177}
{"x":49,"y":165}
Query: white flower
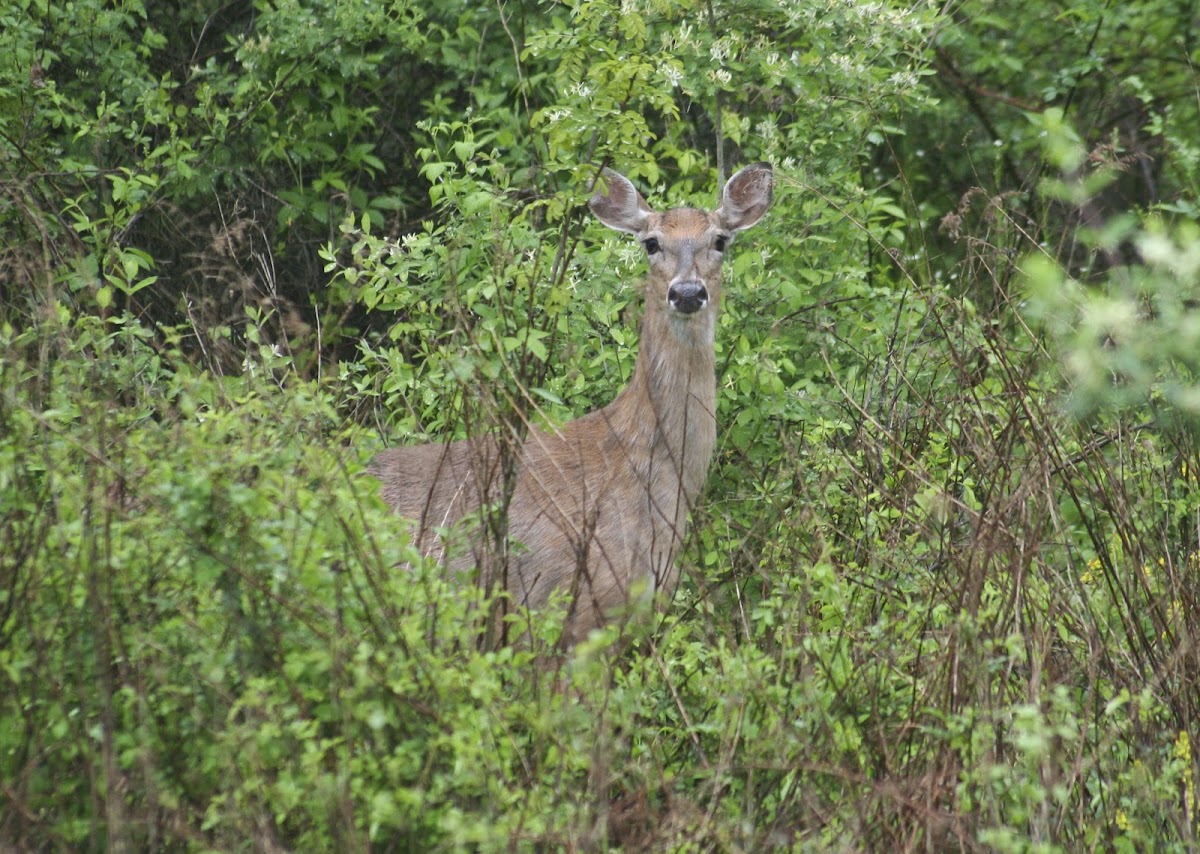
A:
{"x":903,"y":79}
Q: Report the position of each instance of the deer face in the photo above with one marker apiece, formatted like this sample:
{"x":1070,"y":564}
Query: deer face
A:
{"x":685,"y":246}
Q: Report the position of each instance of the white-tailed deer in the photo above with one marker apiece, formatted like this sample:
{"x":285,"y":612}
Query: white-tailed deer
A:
{"x":599,"y":504}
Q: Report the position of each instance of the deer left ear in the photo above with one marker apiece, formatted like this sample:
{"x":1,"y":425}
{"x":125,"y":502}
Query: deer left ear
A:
{"x":747,"y":196}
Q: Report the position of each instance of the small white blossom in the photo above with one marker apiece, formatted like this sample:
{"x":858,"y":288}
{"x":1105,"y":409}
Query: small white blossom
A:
{"x":629,"y":256}
{"x":844,"y":63}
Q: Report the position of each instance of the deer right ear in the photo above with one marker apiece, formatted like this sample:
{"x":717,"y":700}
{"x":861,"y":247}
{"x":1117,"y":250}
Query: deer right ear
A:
{"x":623,"y":207}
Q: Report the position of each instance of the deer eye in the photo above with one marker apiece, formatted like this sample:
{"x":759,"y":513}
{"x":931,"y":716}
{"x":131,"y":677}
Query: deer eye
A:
{"x":719,"y":243}
{"x":651,"y":245}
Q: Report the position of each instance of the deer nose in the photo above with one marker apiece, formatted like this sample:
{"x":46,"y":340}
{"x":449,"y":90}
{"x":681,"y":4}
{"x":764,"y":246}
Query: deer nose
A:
{"x":687,"y":297}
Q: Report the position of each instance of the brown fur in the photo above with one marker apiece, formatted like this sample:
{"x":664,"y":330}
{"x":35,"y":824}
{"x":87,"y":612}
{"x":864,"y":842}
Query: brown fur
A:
{"x":601,"y":503}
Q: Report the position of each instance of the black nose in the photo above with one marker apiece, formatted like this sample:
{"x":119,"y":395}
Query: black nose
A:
{"x":687,"y":297}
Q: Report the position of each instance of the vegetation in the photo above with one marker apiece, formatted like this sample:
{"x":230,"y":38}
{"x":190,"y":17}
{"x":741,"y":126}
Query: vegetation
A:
{"x":943,"y":592}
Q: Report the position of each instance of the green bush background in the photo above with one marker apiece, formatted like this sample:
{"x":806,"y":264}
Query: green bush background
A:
{"x":943,"y":591}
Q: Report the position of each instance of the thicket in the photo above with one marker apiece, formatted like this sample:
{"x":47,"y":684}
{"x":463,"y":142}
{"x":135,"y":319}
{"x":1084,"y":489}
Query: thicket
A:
{"x":942,"y":593}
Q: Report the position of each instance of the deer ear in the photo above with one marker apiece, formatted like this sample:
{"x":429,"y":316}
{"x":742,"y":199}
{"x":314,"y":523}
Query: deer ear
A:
{"x":623,"y":207}
{"x":747,"y":196}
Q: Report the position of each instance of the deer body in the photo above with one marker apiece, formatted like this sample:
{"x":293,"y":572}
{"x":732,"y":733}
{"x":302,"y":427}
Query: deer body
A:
{"x":601,"y":503}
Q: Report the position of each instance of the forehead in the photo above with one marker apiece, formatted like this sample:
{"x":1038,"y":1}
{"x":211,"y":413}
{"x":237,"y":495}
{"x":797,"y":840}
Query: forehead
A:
{"x":685,"y":221}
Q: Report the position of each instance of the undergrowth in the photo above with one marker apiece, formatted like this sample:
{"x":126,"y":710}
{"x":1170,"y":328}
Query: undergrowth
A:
{"x":950,"y":616}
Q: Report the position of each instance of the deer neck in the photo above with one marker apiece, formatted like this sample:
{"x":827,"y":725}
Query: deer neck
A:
{"x":667,"y":414}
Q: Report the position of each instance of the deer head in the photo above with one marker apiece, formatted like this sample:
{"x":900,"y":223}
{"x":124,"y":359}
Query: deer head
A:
{"x":685,"y":246}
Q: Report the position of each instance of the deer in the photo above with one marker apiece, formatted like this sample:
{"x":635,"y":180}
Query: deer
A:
{"x":596,"y":509}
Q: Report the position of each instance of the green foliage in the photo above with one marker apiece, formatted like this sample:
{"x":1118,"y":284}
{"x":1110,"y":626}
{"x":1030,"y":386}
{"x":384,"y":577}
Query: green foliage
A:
{"x":260,"y":667}
{"x":1127,"y":331}
{"x":942,"y":591}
